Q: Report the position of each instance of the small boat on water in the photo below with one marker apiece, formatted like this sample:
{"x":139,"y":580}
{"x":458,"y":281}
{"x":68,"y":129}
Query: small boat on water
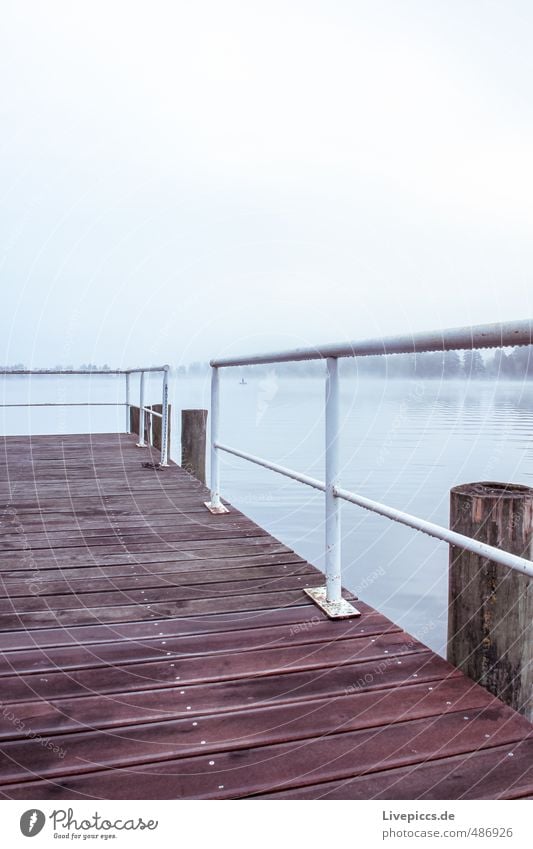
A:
{"x":242,"y":382}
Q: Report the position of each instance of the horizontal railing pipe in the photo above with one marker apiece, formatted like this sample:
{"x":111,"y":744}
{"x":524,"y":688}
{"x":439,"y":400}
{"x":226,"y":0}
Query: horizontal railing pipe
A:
{"x":274,"y":467}
{"x":68,"y":404}
{"x":153,"y":369}
{"x":44,"y":371}
{"x":501,"y":334}
{"x":88,"y":372}
{"x":520,"y":564}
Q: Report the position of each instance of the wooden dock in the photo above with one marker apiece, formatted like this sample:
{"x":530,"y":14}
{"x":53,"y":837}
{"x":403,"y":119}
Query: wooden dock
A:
{"x":153,"y":650}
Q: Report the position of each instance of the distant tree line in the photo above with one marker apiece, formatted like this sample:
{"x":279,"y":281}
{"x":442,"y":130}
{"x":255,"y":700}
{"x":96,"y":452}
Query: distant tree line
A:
{"x":516,"y":363}
{"x":83,"y":367}
{"x":513,"y":364}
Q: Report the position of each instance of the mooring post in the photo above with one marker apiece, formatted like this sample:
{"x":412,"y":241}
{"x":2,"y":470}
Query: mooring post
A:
{"x":491,"y":606}
{"x":193,"y":440}
{"x":153,"y":426}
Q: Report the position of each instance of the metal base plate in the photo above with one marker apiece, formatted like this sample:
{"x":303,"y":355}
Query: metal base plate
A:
{"x":334,"y":609}
{"x":216,"y":510}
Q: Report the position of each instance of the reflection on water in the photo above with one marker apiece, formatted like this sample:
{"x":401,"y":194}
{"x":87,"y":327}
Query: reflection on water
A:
{"x":404,"y":443}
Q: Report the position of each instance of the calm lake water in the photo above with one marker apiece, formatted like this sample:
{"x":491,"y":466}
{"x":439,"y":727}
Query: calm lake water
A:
{"x":403,"y":443}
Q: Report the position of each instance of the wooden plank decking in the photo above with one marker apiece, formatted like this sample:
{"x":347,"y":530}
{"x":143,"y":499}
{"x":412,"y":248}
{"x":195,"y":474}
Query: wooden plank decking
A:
{"x":152,"y":650}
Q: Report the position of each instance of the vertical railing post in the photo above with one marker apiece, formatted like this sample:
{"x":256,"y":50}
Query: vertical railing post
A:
{"x":164,"y":419}
{"x":127,"y":402}
{"x":333,"y":506}
{"x":329,"y":598}
{"x":215,"y":460}
{"x":215,"y":505}
{"x":141,"y":443}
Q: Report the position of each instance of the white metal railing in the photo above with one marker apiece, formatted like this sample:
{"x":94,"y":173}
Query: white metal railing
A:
{"x":164,"y":370}
{"x":463,"y":338}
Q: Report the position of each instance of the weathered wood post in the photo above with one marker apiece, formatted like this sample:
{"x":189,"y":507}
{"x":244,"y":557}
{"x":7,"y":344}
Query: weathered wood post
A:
{"x":156,"y":428}
{"x":193,"y":430}
{"x":490,"y":606}
{"x":134,"y":419}
{"x":134,"y":423}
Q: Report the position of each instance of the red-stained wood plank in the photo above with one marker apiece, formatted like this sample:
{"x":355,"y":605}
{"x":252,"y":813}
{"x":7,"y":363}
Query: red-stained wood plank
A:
{"x":162,"y":610}
{"x":503,"y":772}
{"x":79,"y":598}
{"x":62,"y":563}
{"x":109,"y":538}
{"x":297,"y":618}
{"x":250,"y":771}
{"x":152,"y":646}
{"x":78,"y":586}
{"x":214,"y":667}
{"x":139,"y":706}
{"x":158,"y":741}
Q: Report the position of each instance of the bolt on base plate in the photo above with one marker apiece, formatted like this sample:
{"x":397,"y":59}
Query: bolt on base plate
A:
{"x":216,"y":510}
{"x":334,"y":609}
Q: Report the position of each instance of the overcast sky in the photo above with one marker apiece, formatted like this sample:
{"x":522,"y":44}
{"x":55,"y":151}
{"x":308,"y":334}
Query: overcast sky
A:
{"x":180,"y":180}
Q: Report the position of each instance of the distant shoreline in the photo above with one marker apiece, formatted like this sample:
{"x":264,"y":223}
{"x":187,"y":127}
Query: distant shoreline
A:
{"x":494,"y":364}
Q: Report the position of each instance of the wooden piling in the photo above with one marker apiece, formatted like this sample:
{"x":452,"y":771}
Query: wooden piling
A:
{"x":491,"y":606}
{"x":193,"y":441}
{"x":134,"y":423}
{"x":157,"y":426}
{"x":134,"y":419}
